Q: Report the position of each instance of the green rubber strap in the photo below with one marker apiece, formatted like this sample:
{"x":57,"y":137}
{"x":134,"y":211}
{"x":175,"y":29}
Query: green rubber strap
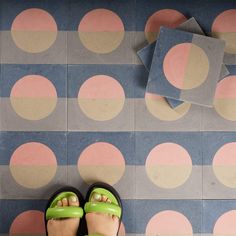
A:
{"x":64,"y":212}
{"x":103,"y":207}
{"x":95,"y":235}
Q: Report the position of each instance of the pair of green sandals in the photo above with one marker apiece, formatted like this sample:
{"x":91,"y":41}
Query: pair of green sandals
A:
{"x":53,"y":211}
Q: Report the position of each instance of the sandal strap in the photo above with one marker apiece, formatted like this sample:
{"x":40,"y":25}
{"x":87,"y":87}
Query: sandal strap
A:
{"x":64,"y":212}
{"x":95,"y":235}
{"x":103,"y":207}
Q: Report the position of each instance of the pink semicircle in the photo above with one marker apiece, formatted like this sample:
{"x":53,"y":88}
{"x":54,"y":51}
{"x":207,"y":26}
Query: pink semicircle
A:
{"x":175,"y":64}
{"x":34,"y":19}
{"x":28,"y":222}
{"x":101,"y":87}
{"x":170,"y":154}
{"x":169,"y":223}
{"x":101,"y":20}
{"x":33,"y":153}
{"x":225,"y":224}
{"x":165,"y":17}
{"x":33,"y":86}
{"x":226,"y":88}
{"x":101,"y":154}
{"x":225,"y":22}
{"x":225,"y":156}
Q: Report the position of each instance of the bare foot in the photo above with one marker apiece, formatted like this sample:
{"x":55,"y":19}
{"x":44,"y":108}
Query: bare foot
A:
{"x":102,"y":223}
{"x":64,"y":227}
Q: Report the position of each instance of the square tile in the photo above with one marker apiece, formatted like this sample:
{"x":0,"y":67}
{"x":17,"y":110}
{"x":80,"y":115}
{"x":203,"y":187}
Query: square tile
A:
{"x":168,"y":165}
{"x":164,"y":217}
{"x":218,"y":165}
{"x":196,"y":77}
{"x":33,"y":97}
{"x":101,"y":42}
{"x":19,"y":211}
{"x":101,"y":106}
{"x":25,"y":40}
{"x":33,"y":164}
{"x":102,"y":156}
{"x":222,"y":116}
{"x":218,"y":217}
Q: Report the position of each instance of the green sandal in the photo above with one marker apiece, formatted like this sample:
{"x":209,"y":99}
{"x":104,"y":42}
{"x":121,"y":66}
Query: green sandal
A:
{"x":53,"y":211}
{"x":113,"y":208}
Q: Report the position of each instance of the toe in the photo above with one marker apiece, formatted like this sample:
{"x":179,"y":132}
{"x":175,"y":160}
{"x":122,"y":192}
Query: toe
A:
{"x":104,"y":198}
{"x":64,"y":201}
{"x":97,"y":197}
{"x":59,"y":203}
{"x":108,"y":200}
{"x":73,"y":201}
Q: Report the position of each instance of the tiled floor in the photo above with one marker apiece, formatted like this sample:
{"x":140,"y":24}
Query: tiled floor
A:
{"x":73,"y":110}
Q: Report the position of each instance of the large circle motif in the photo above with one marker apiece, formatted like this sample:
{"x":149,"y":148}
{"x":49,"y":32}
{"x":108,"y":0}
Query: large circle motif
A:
{"x":101,"y":161}
{"x":101,"y":31}
{"x":225,"y":224}
{"x":225,"y":98}
{"x":165,"y":17}
{"x":160,"y":108}
{"x":34,"y":30}
{"x":224,"y":28}
{"x":224,"y":165}
{"x":101,"y":98}
{"x":186,"y":66}
{"x":33,"y":97}
{"x":29,"y":222}
{"x":168,"y":165}
{"x":33,"y":165}
{"x":169,"y":223}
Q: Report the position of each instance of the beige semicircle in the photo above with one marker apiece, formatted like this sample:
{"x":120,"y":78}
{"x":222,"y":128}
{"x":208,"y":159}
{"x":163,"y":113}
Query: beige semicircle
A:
{"x":101,"y":109}
{"x":34,"y":42}
{"x":159,"y":108}
{"x":101,"y":42}
{"x":108,"y":174}
{"x":168,"y":177}
{"x":226,"y":108}
{"x":33,"y":108}
{"x":197,"y":68}
{"x":32,"y":176}
{"x":230,"y":40}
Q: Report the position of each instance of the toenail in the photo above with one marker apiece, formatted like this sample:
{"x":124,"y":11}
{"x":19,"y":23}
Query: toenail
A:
{"x":59,"y":203}
{"x":73,"y":198}
{"x":64,"y":199}
{"x":97,"y":196}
